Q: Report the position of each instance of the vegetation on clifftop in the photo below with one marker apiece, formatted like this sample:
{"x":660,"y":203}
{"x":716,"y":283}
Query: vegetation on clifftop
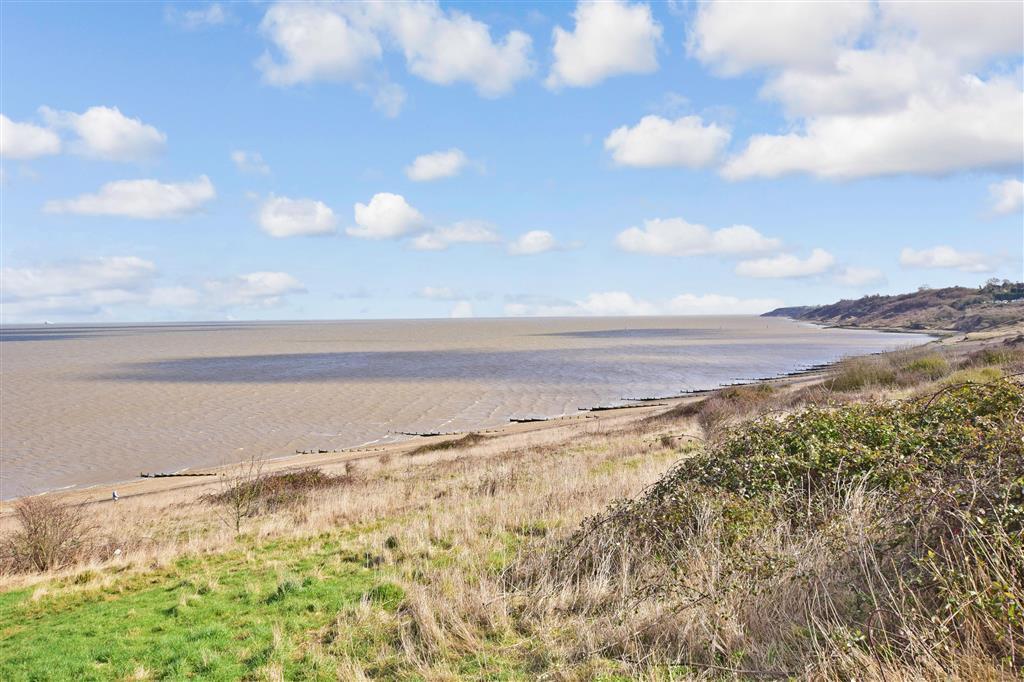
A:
{"x":954,"y":308}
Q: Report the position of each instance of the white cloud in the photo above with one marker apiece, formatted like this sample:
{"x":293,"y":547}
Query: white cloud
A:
{"x":386,"y":216}
{"x":25,"y":140}
{"x":284,"y":217}
{"x":739,"y":36}
{"x":145,"y":199}
{"x":655,"y":141}
{"x":450,"y":47}
{"x":462,"y":309}
{"x":874,"y":89}
{"x":620,"y":303}
{"x":787,"y":265}
{"x":255,"y":289}
{"x":437,"y":165}
{"x":317,"y":42}
{"x":339,"y":41}
{"x":676,"y":237}
{"x":945,"y":257}
{"x":106,"y":133}
{"x":250,"y":162}
{"x":462,"y":232}
{"x":975,"y":125}
{"x":854,"y":276}
{"x":193,"y":19}
{"x":966,"y":30}
{"x":532,"y":242}
{"x":75,"y":278}
{"x":104,"y":286}
{"x":610,"y":38}
{"x":714,"y":304}
{"x":1007,"y":196}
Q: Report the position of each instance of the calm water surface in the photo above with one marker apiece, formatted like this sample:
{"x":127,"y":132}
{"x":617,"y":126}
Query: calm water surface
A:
{"x":84,"y":405}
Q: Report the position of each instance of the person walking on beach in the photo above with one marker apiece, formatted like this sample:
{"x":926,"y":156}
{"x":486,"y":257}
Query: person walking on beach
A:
{"x":114,"y":497}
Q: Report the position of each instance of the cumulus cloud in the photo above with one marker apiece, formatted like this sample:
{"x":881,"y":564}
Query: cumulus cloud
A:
{"x":676,"y":237}
{"x":609,"y":39}
{"x":975,"y":125}
{"x":462,"y":232}
{"x":26,"y":140}
{"x":74,"y":278}
{"x":317,"y":42}
{"x":284,"y":217}
{"x":437,"y":165}
{"x":739,"y":36}
{"x":250,"y":162}
{"x":82,"y":287}
{"x":854,"y":276}
{"x":339,"y":41}
{"x":254,"y":289}
{"x":532,"y":242}
{"x":657,"y":142}
{"x":787,"y":265}
{"x":1007,"y":196}
{"x":906,"y":92}
{"x":144,"y":199}
{"x":462,"y":309}
{"x":945,"y":257}
{"x":620,"y":303}
{"x":386,"y":216}
{"x":109,"y":286}
{"x":106,"y":133}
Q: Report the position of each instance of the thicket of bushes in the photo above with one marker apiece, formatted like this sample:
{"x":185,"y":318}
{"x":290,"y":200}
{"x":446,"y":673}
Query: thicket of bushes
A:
{"x":835,"y":542}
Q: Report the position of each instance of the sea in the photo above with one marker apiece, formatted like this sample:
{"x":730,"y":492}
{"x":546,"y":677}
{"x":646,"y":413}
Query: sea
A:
{"x":84,"y":405}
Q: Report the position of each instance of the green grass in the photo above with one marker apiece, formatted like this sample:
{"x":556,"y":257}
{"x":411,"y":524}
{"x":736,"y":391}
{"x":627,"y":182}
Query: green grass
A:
{"x":216,"y":617}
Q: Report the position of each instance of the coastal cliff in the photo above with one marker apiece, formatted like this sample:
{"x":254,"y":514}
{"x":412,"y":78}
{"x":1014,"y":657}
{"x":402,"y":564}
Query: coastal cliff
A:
{"x":961,"y":309}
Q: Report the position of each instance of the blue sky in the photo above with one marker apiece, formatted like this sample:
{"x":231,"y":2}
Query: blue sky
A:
{"x":208,"y":161}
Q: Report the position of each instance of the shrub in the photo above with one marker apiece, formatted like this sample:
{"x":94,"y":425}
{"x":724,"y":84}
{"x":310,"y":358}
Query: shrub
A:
{"x":932,"y":366}
{"x":848,"y":525}
{"x":246,"y":492}
{"x":859,"y":373}
{"x":730,"y":403}
{"x":466,"y":441}
{"x":52,"y":535}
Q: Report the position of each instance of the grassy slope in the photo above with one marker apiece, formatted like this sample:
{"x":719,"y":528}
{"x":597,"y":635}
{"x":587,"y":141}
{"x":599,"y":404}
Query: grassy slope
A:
{"x":218,"y":616}
{"x":405,"y":573}
{"x":953,"y":308}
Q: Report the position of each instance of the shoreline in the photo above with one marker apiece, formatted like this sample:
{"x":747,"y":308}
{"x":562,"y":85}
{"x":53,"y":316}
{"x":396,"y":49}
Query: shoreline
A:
{"x":636,"y":408}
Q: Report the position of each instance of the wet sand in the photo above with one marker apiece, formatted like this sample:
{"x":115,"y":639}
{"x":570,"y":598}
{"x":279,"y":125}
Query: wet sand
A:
{"x":89,"y":405}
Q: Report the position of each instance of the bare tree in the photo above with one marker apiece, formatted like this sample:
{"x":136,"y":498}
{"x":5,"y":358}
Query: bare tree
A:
{"x":51,"y":534}
{"x":241,"y":489}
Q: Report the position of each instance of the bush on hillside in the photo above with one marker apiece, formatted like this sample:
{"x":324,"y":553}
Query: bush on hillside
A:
{"x":852,"y":525}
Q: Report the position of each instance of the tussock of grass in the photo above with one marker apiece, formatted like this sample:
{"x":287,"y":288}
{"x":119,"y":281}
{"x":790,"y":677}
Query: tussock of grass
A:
{"x":900,"y":369}
{"x":285,"y":489}
{"x":469,"y":440}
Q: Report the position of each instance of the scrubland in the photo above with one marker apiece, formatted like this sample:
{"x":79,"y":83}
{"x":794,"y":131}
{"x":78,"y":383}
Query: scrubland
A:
{"x":864,"y":524}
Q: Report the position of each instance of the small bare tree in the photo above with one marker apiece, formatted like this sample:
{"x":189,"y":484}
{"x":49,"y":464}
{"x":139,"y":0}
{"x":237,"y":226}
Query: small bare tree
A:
{"x":51,"y":534}
{"x":241,"y":490}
